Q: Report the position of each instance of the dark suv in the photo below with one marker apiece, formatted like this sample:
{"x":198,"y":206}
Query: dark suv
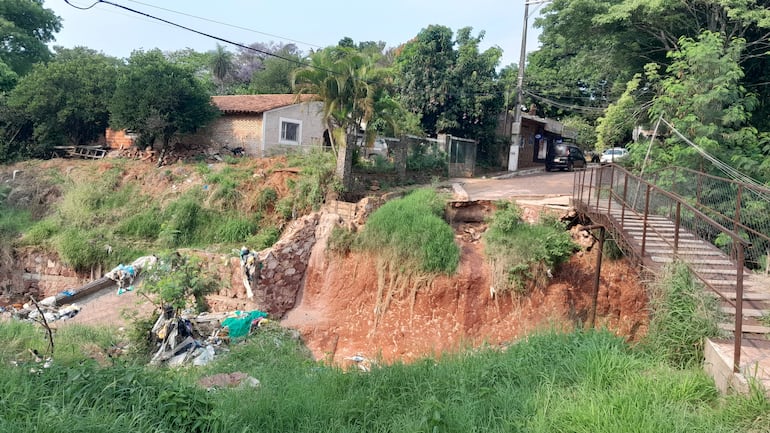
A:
{"x":565,"y":157}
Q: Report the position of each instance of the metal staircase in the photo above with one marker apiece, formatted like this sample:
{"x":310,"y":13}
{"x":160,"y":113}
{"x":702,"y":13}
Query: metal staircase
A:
{"x":654,"y":227}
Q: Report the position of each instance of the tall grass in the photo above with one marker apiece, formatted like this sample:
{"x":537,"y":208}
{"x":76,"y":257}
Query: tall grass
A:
{"x":683,"y":316}
{"x":411,"y":230}
{"x":551,"y":382}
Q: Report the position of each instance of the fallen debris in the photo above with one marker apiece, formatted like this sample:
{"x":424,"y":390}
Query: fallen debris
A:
{"x":182,"y":339}
{"x":228,"y":380}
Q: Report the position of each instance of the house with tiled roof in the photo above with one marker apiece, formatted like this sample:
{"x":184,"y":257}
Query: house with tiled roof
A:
{"x":264,"y":125}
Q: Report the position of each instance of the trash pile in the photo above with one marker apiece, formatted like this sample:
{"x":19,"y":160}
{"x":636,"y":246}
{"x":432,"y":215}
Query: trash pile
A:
{"x":181,"y":338}
{"x":125,"y":275}
{"x":50,"y":313}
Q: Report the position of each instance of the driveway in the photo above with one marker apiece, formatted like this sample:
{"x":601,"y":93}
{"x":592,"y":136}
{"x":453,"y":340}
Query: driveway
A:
{"x":540,"y":185}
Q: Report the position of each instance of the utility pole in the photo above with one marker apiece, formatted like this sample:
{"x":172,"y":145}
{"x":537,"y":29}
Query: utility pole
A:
{"x":513,"y":155}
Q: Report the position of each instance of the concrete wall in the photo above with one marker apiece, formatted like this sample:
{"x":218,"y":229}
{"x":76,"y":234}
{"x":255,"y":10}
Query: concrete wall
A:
{"x":307,"y":114}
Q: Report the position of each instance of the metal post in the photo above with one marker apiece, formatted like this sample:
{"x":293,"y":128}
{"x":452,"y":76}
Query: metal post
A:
{"x":609,"y":196}
{"x":599,"y":187}
{"x":644,"y":224}
{"x":595,"y":295}
{"x":625,"y":199}
{"x":677,"y":223}
{"x":738,"y":310}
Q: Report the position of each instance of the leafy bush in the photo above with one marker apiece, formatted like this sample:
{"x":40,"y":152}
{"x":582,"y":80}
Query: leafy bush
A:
{"x":522,"y":255}
{"x":144,"y":225}
{"x":682,"y":318}
{"x":184,"y":221}
{"x":176,"y":279}
{"x":266,"y":199}
{"x":411,"y":230}
{"x":265,"y":238}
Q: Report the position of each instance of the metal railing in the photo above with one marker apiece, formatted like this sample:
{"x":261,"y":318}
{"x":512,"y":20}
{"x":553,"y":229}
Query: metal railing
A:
{"x":670,"y":224}
{"x":743,"y":207}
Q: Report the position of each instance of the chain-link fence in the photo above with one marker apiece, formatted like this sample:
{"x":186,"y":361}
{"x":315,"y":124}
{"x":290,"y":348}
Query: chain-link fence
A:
{"x":742,"y":207}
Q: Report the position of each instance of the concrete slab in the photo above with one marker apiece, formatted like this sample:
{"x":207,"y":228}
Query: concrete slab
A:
{"x":754,"y":365}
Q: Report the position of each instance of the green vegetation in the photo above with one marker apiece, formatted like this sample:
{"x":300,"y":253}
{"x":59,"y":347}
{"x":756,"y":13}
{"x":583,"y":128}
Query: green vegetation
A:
{"x":180,"y":281}
{"x":522,"y":255}
{"x":682,"y":317}
{"x":102,"y":219}
{"x":411,"y":231}
{"x":580,"y":381}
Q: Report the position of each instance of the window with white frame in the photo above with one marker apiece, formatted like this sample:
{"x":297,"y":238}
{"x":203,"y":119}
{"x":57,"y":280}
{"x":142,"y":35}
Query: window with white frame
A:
{"x":291,"y":131}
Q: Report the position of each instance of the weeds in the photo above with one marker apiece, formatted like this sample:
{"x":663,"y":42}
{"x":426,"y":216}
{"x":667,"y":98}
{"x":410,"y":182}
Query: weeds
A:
{"x":523,"y":255}
{"x":682,"y":318}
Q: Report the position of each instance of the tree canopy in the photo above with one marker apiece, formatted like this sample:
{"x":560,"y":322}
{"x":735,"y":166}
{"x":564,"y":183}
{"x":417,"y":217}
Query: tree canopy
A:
{"x":67,"y":99}
{"x":159,"y":99}
{"x":25,"y":28}
{"x":450,"y":83}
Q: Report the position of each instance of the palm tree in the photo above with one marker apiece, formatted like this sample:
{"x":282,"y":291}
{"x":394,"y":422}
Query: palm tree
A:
{"x":221,"y":66}
{"x":349,"y":84}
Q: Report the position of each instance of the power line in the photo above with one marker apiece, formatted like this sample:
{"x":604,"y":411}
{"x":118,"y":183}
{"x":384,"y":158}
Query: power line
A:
{"x":208,"y":35}
{"x":227,"y":24}
{"x":563,"y":105}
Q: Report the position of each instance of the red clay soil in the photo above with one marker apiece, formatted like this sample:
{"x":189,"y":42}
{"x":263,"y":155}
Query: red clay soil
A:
{"x":350,"y":307}
{"x":341,"y":313}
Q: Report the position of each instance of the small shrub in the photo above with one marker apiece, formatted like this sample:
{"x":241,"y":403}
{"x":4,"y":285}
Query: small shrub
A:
{"x":266,"y":199}
{"x":411,"y":229}
{"x":265,"y":238}
{"x":611,"y":250}
{"x":82,"y":250}
{"x":145,"y":224}
{"x":236,"y":229}
{"x":184,"y":222}
{"x":340,"y":241}
{"x":176,"y":279}
{"x":523,"y":255}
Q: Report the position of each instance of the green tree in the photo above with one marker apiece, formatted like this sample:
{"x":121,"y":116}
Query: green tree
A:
{"x":424,"y":79}
{"x":702,"y":96}
{"x":453,"y":90}
{"x":67,"y":99}
{"x":276,"y":72}
{"x":159,"y":99}
{"x":25,"y":28}
{"x":15,"y":133}
{"x":614,"y":128}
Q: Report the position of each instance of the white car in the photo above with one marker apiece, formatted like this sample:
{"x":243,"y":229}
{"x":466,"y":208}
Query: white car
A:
{"x":615,"y":154}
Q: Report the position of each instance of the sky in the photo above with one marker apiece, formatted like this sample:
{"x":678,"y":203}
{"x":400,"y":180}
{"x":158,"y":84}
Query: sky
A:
{"x":310,"y":24}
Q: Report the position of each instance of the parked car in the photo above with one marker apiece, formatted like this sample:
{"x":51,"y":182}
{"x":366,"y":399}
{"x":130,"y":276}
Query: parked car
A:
{"x":615,"y":154}
{"x":379,"y":147}
{"x":566,"y":157}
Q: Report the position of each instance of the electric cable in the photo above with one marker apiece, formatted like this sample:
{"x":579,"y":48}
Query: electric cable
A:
{"x":227,"y":24}
{"x":208,"y":35}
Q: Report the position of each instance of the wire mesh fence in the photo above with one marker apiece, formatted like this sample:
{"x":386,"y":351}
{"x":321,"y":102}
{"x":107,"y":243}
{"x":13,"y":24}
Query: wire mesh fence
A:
{"x":743,"y":207}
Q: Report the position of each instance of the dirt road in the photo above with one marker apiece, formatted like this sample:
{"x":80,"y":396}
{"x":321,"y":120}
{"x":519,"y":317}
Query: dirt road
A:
{"x":537,"y":185}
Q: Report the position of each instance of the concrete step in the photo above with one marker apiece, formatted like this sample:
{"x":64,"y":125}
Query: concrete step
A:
{"x":692,"y":261}
{"x":751,"y":329}
{"x":747,"y":312}
{"x":748,"y":296}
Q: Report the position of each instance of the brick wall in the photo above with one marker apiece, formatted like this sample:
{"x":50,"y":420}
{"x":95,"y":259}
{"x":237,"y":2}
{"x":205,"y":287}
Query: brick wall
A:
{"x":119,"y":139}
{"x":237,"y":131}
